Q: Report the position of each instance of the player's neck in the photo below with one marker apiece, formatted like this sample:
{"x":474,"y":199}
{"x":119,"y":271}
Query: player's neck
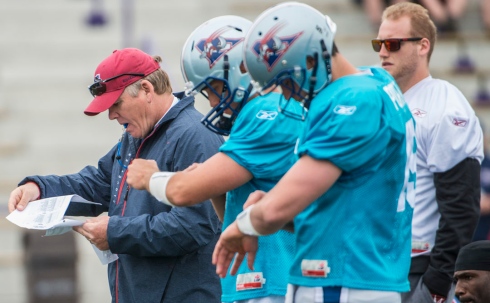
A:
{"x":341,"y":67}
{"x":407,"y":81}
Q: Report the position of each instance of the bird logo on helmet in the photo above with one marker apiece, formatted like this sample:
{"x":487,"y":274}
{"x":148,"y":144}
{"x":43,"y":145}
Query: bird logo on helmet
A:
{"x":216,"y":46}
{"x":271,"y":48}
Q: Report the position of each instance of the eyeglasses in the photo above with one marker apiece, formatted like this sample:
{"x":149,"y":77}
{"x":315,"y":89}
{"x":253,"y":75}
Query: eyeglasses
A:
{"x":392,"y":45}
{"x":99,"y":87}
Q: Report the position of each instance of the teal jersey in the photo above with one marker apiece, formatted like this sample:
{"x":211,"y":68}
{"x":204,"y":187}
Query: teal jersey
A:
{"x":263,"y":141}
{"x":358,"y":233}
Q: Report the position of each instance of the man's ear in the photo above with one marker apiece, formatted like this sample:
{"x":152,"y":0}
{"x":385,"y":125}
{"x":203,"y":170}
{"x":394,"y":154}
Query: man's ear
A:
{"x":147,"y":86}
{"x":310,"y":62}
{"x":425,"y":46}
{"x":148,"y":89}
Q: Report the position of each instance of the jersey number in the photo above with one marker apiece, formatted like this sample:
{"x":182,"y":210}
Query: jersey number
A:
{"x":407,"y":194}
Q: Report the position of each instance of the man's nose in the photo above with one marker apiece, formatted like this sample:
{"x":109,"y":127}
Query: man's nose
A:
{"x":459,"y":290}
{"x":383,"y":52}
{"x":112,"y":114}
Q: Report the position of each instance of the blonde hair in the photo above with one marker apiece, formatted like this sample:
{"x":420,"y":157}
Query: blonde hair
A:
{"x":421,"y":24}
{"x":159,"y":79}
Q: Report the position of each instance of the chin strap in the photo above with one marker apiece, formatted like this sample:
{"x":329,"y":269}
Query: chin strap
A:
{"x":311,"y":91}
{"x":313,"y":78}
{"x":226,"y":67}
{"x":326,"y":58}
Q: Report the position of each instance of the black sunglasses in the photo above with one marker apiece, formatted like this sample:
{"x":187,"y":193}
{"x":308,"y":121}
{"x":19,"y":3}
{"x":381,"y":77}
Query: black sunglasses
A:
{"x":99,"y":87}
{"x":392,"y":45}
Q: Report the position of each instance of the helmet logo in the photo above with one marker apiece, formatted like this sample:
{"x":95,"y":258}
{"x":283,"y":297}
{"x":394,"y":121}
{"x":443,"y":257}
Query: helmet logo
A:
{"x":97,"y":78}
{"x":215,"y":46}
{"x":271,"y":47}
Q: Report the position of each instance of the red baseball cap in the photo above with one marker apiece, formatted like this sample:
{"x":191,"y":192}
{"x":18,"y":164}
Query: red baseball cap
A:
{"x":115,"y":73}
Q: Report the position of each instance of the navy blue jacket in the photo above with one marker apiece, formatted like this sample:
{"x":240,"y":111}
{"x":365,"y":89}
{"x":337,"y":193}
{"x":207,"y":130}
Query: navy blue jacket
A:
{"x":164,"y":253}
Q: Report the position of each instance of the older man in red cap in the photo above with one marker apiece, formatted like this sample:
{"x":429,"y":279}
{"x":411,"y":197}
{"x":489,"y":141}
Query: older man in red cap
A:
{"x":164,"y":252}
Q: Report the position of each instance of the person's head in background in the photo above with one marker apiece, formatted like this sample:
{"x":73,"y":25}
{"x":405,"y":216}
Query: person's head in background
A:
{"x":212,"y":65}
{"x":405,"y":43}
{"x":297,"y":56}
{"x":472,"y":273}
{"x":132,"y":86}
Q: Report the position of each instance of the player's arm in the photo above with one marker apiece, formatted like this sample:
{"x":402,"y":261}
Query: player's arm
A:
{"x":255,"y":197}
{"x":307,"y":180}
{"x":210,"y":179}
{"x":458,"y":198}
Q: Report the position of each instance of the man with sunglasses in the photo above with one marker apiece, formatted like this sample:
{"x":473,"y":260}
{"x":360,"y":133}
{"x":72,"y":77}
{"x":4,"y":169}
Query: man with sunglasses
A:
{"x":259,"y":150}
{"x":164,"y":252}
{"x":449,"y":152}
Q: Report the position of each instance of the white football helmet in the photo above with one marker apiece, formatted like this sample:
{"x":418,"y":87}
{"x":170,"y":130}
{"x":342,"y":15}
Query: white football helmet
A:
{"x":214,"y":52}
{"x":278,"y":44}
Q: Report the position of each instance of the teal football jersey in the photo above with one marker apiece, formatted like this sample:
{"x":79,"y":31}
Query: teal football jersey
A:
{"x":357,"y":234}
{"x":263,"y":141}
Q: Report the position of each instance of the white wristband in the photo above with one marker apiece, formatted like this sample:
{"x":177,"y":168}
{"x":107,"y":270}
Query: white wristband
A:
{"x":158,"y":186}
{"x":245,"y":224}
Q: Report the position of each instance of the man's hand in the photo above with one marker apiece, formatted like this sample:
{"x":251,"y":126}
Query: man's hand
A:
{"x":22,"y":195}
{"x":95,"y":231}
{"x":254,"y":197}
{"x":140,"y":172}
{"x":230,"y":242}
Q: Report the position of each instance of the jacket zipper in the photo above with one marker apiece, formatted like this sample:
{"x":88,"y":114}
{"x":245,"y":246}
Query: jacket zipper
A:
{"x":123,"y":182}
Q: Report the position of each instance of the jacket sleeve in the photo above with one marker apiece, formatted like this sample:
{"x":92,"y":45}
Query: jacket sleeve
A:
{"x":458,"y":199}
{"x":178,"y":232}
{"x":91,"y":183}
{"x":181,"y":230}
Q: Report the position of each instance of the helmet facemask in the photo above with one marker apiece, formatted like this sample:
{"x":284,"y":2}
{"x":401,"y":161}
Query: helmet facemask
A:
{"x":221,"y":117}
{"x":290,"y":81}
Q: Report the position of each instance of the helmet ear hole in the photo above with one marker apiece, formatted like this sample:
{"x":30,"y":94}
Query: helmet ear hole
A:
{"x":243,"y":70}
{"x":310,"y":62}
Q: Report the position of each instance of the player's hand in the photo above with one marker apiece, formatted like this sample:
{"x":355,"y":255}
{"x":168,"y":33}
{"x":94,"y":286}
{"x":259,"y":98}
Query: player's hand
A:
{"x":254,"y":197}
{"x":140,"y":172}
{"x":95,"y":231}
{"x":22,"y":195}
{"x":230,"y":242}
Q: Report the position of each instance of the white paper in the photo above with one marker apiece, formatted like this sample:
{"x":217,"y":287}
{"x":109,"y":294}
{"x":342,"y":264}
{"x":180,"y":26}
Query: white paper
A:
{"x":48,"y":214}
{"x":105,"y":256}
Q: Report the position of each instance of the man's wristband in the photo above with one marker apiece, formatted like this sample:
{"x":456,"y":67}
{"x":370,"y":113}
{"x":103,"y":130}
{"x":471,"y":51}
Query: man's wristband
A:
{"x":158,"y":186}
{"x":244,"y":222}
